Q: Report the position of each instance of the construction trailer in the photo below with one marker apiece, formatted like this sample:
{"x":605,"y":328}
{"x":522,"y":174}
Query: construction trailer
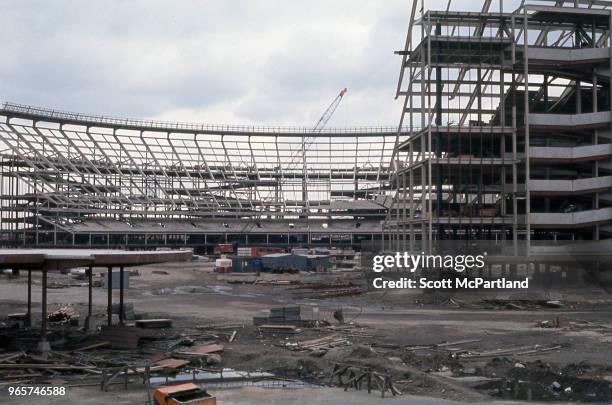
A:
{"x":508,"y":110}
{"x":290,"y":261}
{"x":257,"y":251}
{"x":246,"y":264}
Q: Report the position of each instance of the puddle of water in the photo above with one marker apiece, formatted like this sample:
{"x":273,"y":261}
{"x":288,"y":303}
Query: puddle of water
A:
{"x":213,"y":289}
{"x":179,"y":290}
{"x":227,"y":290}
{"x":467,"y":378}
{"x":229,"y":378}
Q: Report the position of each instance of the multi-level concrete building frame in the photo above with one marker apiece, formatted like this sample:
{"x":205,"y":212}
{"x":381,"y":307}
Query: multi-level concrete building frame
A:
{"x":510,"y":122}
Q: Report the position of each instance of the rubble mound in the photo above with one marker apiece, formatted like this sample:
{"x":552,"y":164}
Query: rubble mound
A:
{"x":339,"y":354}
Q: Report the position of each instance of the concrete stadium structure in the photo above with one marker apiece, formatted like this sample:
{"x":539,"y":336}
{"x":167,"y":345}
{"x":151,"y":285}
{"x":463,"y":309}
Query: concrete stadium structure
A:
{"x":90,"y":181}
{"x":510,"y":116}
{"x":505,"y":135}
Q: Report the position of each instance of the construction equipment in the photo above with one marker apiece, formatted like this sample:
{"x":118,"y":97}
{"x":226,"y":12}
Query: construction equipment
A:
{"x":329,"y":112}
{"x":225,"y":248}
{"x":308,"y":141}
{"x":183,"y":394}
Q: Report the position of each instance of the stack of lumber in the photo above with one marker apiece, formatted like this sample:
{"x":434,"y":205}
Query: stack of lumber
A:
{"x":279,"y":329}
{"x":280,"y":316}
{"x":154,"y":323}
{"x":320,"y":345}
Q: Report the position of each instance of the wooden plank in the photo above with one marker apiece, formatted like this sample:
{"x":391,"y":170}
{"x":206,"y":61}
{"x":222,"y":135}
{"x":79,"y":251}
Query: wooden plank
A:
{"x":521,"y":350}
{"x":11,"y":357}
{"x":12,"y":376}
{"x":203,"y":350}
{"x":458,"y":342}
{"x":44,"y":367}
{"x":93,"y":346}
{"x":311,"y":342}
{"x":279,"y":326}
{"x":154,"y":323}
{"x":172,"y":363}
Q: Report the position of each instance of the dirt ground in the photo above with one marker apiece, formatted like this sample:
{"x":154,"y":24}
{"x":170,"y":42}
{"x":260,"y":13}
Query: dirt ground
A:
{"x":391,"y":331}
{"x":255,"y":396}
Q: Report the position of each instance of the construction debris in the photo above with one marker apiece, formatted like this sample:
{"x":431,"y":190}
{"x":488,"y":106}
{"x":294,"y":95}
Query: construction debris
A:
{"x":357,"y":375}
{"x":556,"y":323}
{"x":521,"y":304}
{"x":91,"y":347}
{"x":542,"y":381}
{"x":332,"y":292}
{"x":443,"y":345}
{"x":122,"y":337}
{"x":519,"y":350}
{"x":301,"y":344}
{"x":171,"y":364}
{"x":280,"y":315}
{"x":64,"y":315}
{"x":339,"y":316}
{"x":154,"y":323}
{"x":182,"y":341}
{"x":182,"y":394}
{"x":279,"y":329}
{"x":318,"y":346}
{"x":203,"y":349}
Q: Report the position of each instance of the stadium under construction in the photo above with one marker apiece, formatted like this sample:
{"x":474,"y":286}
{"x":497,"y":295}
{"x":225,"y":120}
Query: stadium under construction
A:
{"x":89,"y":181}
{"x":505,"y":135}
{"x":463,"y":255}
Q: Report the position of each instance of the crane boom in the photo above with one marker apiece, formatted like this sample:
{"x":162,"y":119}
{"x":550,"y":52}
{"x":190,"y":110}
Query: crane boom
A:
{"x":329,"y":112}
{"x":317,"y":129}
{"x":308,"y":141}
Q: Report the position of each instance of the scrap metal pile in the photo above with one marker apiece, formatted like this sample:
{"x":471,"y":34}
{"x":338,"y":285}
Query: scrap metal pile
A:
{"x":117,"y":354}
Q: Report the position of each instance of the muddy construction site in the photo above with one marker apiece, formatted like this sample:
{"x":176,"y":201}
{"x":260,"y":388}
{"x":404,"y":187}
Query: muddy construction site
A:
{"x":276,"y":338}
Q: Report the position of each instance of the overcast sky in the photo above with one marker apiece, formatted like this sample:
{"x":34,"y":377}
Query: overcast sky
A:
{"x":225,"y":61}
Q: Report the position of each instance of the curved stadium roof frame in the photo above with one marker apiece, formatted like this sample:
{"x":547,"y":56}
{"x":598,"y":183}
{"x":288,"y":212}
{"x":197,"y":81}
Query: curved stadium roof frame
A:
{"x":71,"y":165}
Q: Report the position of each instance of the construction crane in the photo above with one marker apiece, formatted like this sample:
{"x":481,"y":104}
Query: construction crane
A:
{"x":329,"y":112}
{"x":316,"y":130}
{"x":307,"y":142}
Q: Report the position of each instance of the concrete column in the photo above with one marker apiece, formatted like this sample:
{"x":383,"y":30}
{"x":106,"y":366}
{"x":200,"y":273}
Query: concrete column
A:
{"x":43,"y":345}
{"x":29,"y":315}
{"x":595,"y":106}
{"x":527,"y":143}
{"x":121,"y":295}
{"x":88,"y":320}
{"x":109,"y":297}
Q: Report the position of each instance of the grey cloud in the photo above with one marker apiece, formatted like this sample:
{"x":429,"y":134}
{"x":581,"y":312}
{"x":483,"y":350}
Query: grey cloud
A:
{"x":268,"y":62}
